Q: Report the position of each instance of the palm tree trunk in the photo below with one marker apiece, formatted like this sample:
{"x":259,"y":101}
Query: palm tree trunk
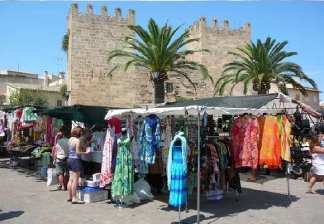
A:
{"x":158,"y":91}
{"x":264,"y":88}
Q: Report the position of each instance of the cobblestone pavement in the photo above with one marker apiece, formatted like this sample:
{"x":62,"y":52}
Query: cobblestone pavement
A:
{"x":24,"y":199}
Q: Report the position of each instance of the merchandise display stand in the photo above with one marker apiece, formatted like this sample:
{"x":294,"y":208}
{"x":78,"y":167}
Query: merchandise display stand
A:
{"x":179,"y":217}
{"x":288,"y":184}
{"x":255,"y":105}
{"x":198,"y":168}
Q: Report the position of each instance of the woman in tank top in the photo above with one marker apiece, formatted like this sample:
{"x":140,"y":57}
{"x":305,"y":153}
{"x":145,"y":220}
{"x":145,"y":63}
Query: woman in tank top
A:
{"x":75,"y":164}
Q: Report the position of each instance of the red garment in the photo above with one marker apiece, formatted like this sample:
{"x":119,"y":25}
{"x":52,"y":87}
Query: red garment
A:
{"x":18,"y":113}
{"x":49,"y":131}
{"x":116,"y":123}
{"x":245,"y":136}
{"x":24,"y":125}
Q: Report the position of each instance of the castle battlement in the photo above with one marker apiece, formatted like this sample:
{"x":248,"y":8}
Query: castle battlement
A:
{"x":95,"y":32}
{"x":130,"y":19}
{"x":201,"y":26}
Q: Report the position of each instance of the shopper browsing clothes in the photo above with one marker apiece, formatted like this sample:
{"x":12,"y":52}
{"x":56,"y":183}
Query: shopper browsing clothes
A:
{"x":317,"y":171}
{"x":75,"y":163}
{"x":60,"y":154}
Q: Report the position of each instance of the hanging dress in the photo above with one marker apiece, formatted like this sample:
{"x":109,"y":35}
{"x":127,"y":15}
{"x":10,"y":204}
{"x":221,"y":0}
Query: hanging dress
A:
{"x":270,"y":152}
{"x":123,"y":182}
{"x":106,"y":164}
{"x":149,"y":142}
{"x":252,"y":138}
{"x":177,"y":172}
{"x":245,"y":135}
{"x":285,"y":138}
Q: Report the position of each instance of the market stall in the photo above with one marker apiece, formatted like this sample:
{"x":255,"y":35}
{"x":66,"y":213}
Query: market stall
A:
{"x":91,"y":118}
{"x":272,"y":109}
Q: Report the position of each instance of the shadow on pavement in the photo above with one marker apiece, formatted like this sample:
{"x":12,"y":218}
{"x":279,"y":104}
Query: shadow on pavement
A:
{"x":249,"y":199}
{"x":10,"y":215}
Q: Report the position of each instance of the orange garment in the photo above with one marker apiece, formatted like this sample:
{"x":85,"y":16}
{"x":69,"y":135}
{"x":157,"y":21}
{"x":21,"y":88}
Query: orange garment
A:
{"x":270,"y":151}
{"x":285,"y":138}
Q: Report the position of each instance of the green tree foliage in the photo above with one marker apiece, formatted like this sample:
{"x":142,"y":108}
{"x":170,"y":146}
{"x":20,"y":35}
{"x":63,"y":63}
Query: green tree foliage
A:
{"x":24,"y":97}
{"x":261,"y":64}
{"x":161,"y":53}
{"x":65,"y":42}
{"x":63,"y":91}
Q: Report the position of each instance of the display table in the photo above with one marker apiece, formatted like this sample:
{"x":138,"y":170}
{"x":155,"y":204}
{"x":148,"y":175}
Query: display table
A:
{"x":20,"y":148}
{"x":95,"y":156}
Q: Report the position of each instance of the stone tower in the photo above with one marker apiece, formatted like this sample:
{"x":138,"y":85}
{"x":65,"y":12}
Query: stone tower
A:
{"x":219,"y":40}
{"x":91,"y":37}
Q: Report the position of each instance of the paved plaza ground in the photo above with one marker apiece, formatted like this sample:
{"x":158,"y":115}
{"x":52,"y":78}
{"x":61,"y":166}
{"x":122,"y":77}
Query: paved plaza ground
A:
{"x":24,"y":199}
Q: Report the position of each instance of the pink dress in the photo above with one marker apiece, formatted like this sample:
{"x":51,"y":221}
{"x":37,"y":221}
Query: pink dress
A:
{"x":245,"y":135}
{"x":106,"y":165}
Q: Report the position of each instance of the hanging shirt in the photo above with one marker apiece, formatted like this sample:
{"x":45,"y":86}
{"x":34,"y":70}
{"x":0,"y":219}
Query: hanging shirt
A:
{"x":28,"y":115}
{"x":116,"y":123}
{"x":150,"y":139}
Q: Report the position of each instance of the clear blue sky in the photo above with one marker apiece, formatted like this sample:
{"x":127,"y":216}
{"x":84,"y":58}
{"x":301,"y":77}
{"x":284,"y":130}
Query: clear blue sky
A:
{"x":31,"y":32}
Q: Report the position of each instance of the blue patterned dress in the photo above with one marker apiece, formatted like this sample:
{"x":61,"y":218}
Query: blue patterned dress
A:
{"x":178,"y":185}
{"x":149,"y":142}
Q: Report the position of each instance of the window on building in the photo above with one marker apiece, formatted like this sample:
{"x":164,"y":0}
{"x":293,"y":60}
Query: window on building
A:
{"x":169,"y":87}
{"x":59,"y":103}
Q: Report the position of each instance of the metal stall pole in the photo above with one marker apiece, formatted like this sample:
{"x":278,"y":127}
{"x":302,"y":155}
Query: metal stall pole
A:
{"x":288,"y":182}
{"x":198,"y":170}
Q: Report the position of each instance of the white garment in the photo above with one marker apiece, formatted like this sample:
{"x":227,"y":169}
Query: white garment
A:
{"x":305,"y":147}
{"x":318,"y":163}
{"x":77,"y":124}
{"x":62,"y":148}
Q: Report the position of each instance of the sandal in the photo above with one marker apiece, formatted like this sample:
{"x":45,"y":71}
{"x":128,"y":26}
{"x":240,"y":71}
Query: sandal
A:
{"x":78,"y":202}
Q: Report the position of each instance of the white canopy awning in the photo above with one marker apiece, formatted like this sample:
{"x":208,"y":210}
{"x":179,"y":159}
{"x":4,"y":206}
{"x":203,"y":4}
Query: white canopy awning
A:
{"x":279,"y":104}
{"x":191,"y":110}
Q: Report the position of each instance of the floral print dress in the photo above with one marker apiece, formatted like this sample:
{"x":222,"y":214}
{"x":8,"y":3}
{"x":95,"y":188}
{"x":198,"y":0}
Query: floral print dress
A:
{"x":245,"y":136}
{"x":123,"y":182}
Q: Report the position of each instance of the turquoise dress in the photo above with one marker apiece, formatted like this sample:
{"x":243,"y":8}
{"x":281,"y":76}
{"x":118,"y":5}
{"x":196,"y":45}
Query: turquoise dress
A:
{"x":178,"y":185}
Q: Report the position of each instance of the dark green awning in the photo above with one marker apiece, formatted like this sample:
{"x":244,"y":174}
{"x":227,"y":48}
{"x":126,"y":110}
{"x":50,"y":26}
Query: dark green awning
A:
{"x":227,"y":101}
{"x":88,"y":114}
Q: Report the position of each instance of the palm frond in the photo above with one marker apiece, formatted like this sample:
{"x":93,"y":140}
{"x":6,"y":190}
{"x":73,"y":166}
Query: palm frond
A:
{"x":265,"y":61}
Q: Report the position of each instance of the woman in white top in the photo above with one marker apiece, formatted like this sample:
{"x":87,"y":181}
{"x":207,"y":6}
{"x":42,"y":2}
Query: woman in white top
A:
{"x":317,"y":149}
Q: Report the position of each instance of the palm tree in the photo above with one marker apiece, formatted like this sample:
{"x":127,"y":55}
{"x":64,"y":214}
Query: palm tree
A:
{"x":158,"y":51}
{"x":261,"y":65}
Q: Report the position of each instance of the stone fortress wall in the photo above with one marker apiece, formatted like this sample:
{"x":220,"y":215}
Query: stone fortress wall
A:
{"x":219,"y":40}
{"x":91,"y":37}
